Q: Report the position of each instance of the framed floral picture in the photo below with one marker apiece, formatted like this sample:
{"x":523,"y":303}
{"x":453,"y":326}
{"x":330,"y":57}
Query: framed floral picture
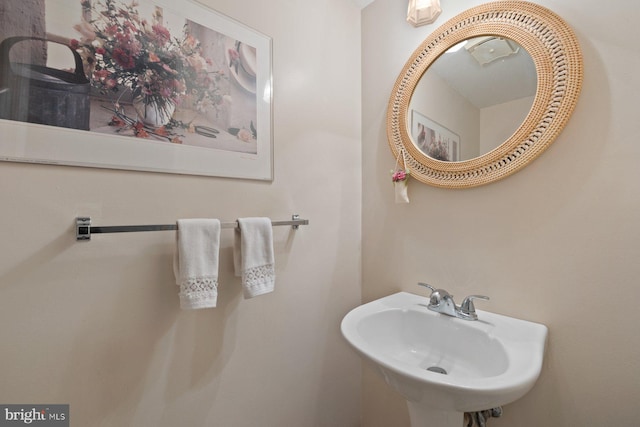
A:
{"x":433,"y":139}
{"x":152,"y":85}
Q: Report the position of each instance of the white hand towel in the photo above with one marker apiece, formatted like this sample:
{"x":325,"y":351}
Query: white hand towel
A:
{"x":195,"y":263}
{"x":253,"y":257}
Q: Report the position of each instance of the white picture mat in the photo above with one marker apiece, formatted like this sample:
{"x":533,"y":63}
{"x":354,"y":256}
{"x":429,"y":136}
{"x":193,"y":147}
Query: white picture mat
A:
{"x":33,"y":143}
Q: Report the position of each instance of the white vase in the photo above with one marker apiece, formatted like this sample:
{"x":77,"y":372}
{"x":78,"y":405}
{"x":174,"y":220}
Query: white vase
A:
{"x":153,"y":114}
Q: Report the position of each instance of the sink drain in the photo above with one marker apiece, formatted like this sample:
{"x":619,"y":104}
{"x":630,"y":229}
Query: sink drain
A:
{"x":437,"y":369}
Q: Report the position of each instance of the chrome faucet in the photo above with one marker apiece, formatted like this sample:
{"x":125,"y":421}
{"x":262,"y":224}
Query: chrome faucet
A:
{"x":442,"y":301}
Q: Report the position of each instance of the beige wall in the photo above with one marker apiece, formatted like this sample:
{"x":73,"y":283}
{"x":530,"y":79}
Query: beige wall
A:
{"x":97,"y":324}
{"x":435,"y":99}
{"x":556,"y":243}
{"x":499,"y":122}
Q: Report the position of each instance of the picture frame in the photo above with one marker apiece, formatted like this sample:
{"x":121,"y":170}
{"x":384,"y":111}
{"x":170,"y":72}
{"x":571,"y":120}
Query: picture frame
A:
{"x":433,"y":139}
{"x":221,"y":128}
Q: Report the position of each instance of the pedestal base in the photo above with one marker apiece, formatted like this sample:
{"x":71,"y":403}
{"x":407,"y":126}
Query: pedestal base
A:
{"x":422,"y":416}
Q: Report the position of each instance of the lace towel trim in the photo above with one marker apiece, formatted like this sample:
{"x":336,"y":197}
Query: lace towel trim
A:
{"x":258,"y":280}
{"x":199,"y":292}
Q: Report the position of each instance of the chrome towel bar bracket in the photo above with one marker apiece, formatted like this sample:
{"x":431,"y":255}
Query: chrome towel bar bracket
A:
{"x":84,"y":229}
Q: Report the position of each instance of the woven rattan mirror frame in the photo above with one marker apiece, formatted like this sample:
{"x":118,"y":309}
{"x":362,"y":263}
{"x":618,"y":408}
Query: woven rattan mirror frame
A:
{"x":558,"y":60}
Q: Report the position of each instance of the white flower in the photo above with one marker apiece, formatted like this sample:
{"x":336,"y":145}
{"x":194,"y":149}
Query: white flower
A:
{"x":245,"y":135}
{"x":87,"y":32}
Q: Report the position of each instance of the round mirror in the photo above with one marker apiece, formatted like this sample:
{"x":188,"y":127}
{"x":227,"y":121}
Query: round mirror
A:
{"x":472,"y":98}
{"x":447,"y":145}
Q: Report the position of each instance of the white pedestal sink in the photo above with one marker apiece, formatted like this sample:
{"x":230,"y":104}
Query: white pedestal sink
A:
{"x":442,"y":365}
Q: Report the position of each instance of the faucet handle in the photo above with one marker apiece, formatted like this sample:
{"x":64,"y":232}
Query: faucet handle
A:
{"x":437,"y":295}
{"x":427,"y":286}
{"x":434,"y":299}
{"x":467,"y":308}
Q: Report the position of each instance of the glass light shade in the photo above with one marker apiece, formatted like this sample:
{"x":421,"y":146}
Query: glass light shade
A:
{"x":421,"y":12}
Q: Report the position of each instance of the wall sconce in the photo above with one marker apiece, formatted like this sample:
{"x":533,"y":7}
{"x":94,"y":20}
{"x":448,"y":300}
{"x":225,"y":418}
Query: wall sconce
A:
{"x":421,"y":12}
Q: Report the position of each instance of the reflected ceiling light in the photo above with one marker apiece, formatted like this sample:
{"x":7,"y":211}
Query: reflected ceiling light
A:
{"x":421,"y":12}
{"x":488,"y":49}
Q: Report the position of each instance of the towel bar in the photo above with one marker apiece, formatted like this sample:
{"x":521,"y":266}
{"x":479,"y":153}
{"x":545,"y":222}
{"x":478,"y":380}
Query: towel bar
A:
{"x":84,"y":229}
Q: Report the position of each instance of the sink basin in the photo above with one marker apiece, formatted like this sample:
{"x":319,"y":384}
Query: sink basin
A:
{"x":442,"y":365}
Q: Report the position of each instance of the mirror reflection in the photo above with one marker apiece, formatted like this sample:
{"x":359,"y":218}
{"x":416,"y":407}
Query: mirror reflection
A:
{"x":472,"y":98}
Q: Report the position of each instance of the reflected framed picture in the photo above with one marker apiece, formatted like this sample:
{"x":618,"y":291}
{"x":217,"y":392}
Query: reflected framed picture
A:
{"x":153,"y":85}
{"x":433,"y":139}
